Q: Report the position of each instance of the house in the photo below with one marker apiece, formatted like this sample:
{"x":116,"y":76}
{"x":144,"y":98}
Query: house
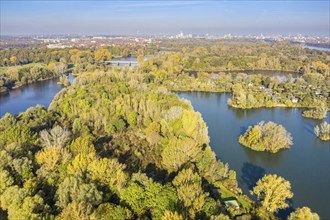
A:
{"x":231,"y":203}
{"x":294,"y":100}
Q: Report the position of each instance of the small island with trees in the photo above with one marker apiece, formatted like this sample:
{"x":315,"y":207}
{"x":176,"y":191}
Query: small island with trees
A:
{"x":269,"y":137}
{"x":322,"y":131}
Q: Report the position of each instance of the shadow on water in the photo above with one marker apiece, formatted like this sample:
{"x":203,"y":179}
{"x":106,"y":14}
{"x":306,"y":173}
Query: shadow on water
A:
{"x":284,"y":213}
{"x":251,"y":174}
{"x":242,"y":130}
{"x":272,"y":160}
{"x":309,"y":127}
{"x":239,"y":113}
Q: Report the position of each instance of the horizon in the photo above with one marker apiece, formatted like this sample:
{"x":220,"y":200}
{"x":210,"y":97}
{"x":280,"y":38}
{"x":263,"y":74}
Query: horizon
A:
{"x":24,"y":18}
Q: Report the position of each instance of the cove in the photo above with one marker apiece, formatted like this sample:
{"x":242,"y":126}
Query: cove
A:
{"x":305,"y":164}
{"x":38,"y":93}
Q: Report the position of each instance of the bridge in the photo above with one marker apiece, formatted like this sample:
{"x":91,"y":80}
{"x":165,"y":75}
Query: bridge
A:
{"x":121,"y":63}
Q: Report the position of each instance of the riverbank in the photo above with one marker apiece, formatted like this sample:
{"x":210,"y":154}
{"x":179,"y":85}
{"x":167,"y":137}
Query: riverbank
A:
{"x":22,"y":85}
{"x":37,"y":93}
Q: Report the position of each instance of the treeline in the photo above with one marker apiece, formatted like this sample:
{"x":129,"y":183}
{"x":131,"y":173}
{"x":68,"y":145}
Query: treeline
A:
{"x":16,"y":76}
{"x":109,"y":148}
{"x":252,"y":90}
{"x":307,"y":87}
{"x":211,"y":55}
{"x":21,"y":56}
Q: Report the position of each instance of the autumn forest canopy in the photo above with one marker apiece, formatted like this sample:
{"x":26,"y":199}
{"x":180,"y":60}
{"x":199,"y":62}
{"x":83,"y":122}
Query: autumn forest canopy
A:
{"x":119,"y":144}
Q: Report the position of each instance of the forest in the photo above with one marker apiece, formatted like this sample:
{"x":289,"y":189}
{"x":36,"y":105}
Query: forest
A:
{"x":118,"y":144}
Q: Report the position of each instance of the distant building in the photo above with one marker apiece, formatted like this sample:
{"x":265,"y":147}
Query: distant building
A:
{"x":294,"y":100}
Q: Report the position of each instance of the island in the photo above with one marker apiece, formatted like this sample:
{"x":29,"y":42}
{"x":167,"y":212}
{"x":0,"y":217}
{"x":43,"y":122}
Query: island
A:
{"x":269,"y":137}
{"x":322,"y":131}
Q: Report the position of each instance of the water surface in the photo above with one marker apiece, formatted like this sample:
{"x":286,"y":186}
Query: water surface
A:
{"x":316,"y":48}
{"x":305,"y":165}
{"x":38,"y":93}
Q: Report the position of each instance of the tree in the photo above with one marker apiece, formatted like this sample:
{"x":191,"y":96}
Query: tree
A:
{"x":317,"y":130}
{"x":143,"y":195}
{"x":108,"y":172}
{"x":6,"y":180}
{"x":56,"y":137}
{"x":19,"y":134}
{"x":74,"y":189}
{"x":168,"y":215}
{"x":82,"y":145}
{"x":190,"y":191}
{"x":179,"y":152}
{"x":112,"y":211}
{"x":323,"y":131}
{"x":101,"y":55}
{"x":79,"y":211}
{"x":59,"y":69}
{"x":303,"y":213}
{"x":13,"y":60}
{"x":273,"y":191}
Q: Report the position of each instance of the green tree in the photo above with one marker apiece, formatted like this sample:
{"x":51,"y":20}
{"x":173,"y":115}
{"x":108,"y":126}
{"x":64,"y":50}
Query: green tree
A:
{"x":111,"y":211}
{"x":74,"y":189}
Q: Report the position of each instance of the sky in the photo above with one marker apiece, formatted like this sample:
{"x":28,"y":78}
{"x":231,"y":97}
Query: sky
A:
{"x":24,"y":17}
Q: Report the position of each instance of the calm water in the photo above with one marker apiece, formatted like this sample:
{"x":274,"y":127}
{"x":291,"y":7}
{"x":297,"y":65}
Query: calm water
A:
{"x":20,"y":99}
{"x":316,"y":48}
{"x":305,"y":165}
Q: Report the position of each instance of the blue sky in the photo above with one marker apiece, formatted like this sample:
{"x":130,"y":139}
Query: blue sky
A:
{"x":154,"y":17}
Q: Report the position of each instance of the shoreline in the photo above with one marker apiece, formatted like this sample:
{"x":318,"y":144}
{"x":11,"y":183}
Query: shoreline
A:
{"x":20,"y":86}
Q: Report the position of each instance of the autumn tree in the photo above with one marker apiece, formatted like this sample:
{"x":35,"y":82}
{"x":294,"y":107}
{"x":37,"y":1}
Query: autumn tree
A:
{"x":190,"y":191}
{"x":101,"y":55}
{"x":266,"y":137}
{"x":13,"y":60}
{"x":273,"y":192}
{"x":303,"y":214}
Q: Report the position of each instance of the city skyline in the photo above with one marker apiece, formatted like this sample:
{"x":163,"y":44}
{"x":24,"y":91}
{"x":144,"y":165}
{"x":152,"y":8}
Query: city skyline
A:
{"x":159,"y":17}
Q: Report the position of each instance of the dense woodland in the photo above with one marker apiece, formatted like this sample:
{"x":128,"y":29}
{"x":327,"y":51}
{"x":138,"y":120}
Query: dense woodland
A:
{"x":118,"y":144}
{"x":106,"y":149}
{"x":217,"y":66}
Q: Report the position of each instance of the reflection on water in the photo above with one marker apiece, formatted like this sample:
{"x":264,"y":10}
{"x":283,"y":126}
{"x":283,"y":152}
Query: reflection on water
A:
{"x":305,"y":164}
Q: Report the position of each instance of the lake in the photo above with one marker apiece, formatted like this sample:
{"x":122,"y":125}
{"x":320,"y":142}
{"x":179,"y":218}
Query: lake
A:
{"x":22,"y":98}
{"x":305,"y":165}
